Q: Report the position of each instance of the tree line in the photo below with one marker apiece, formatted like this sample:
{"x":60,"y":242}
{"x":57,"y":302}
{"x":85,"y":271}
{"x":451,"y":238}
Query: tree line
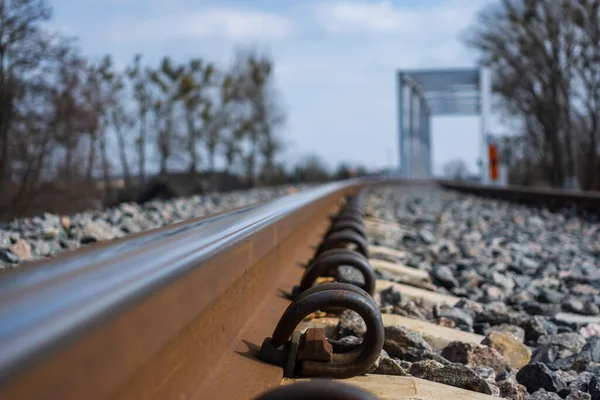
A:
{"x":75,"y":124}
{"x":545,"y":61}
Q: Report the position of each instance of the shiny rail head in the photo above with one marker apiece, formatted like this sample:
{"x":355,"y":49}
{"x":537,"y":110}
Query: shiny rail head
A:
{"x":317,"y":389}
{"x":342,"y":365}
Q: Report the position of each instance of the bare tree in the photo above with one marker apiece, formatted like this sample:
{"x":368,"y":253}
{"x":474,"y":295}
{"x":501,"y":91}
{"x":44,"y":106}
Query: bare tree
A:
{"x":59,"y":110}
{"x":122,"y":124}
{"x":259,"y":117}
{"x":32,"y":143}
{"x":167,"y":78}
{"x":270,"y":146}
{"x":117,"y":116}
{"x":530,"y":52}
{"x":311,"y":169}
{"x":232,"y":149}
{"x":234,"y":121}
{"x":139,"y":81}
{"x":220,"y":126}
{"x":70,"y":123}
{"x":91,"y":96}
{"x":456,"y":169}
{"x":544,"y":56}
{"x":586,"y":16}
{"x":48,"y":119}
{"x":195,"y":90}
{"x":23,"y":47}
{"x":104,"y":71}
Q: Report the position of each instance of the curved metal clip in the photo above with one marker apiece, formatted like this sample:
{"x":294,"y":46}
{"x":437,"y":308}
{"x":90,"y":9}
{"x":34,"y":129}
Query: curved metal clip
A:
{"x":353,"y":212}
{"x":341,"y":239}
{"x":327,"y":262}
{"x":348,"y":224}
{"x":340,"y":365}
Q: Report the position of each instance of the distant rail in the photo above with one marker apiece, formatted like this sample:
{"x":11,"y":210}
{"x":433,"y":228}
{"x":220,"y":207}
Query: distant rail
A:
{"x":551,"y":198}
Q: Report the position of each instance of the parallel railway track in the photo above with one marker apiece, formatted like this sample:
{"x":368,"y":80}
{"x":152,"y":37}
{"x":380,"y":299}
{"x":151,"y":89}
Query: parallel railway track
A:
{"x":551,"y":198}
{"x":181,"y":312}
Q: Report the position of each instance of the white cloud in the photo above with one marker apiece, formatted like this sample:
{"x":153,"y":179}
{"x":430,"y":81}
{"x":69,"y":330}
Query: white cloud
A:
{"x":383,"y":17}
{"x":219,"y":23}
{"x":343,"y":17}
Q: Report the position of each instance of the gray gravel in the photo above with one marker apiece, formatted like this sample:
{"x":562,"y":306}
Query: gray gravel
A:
{"x":523,"y":272}
{"x":491,"y":251}
{"x":30,"y":239}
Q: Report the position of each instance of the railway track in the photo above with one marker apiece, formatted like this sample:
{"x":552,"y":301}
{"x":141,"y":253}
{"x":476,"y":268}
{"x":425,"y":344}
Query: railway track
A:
{"x":213,"y":308}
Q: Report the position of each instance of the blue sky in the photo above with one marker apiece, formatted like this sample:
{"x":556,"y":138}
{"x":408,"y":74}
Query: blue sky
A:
{"x":335,"y":60}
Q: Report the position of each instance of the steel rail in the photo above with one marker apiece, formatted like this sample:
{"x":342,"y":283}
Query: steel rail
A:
{"x":178,"y":312}
{"x":552,"y":198}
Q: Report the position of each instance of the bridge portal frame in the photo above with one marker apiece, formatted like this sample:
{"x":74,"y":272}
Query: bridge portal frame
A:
{"x":423,"y":94}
